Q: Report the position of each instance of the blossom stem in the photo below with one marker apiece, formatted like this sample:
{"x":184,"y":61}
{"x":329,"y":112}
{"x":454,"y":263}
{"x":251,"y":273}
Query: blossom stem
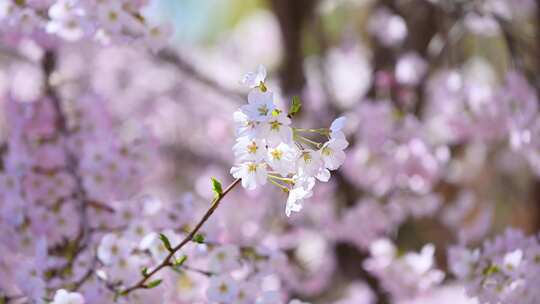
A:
{"x":323,"y":131}
{"x":194,"y":269}
{"x":308,"y":141}
{"x":283,"y":179}
{"x":285,"y":189}
{"x":167,"y":261}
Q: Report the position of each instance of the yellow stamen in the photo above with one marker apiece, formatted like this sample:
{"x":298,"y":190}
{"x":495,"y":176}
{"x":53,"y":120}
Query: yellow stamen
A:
{"x":252,"y":168}
{"x":263,"y":110}
{"x":275,"y":125}
{"x":307,"y":157}
{"x":326,"y":151}
{"x":276,"y":154}
{"x":252,"y":148}
{"x":262,"y":87}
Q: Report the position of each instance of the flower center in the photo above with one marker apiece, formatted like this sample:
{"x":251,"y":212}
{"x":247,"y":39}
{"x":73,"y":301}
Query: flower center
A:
{"x":252,"y":168}
{"x":113,"y":16}
{"x":221,"y":256}
{"x":241,"y":295}
{"x":252,"y":147}
{"x":276,"y":154}
{"x":263,"y":110}
{"x":114,"y":250}
{"x":275,"y":125}
{"x":307,"y":157}
{"x":223,"y":288}
{"x":326,"y":151}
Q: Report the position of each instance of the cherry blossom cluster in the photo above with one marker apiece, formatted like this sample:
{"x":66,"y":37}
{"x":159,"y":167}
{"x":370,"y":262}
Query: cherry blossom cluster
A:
{"x":268,"y":148}
{"x":105,"y":21}
{"x":224,"y":273}
{"x":398,"y":150}
{"x":234,"y":285}
{"x":441,"y":140}
{"x":63,"y":296}
{"x":381,"y":219}
{"x":503,"y":270}
{"x":393,"y":151}
{"x":404,"y":276}
{"x":467,"y":217}
{"x":492,"y":112}
{"x":61,"y":175}
{"x":74,"y":235}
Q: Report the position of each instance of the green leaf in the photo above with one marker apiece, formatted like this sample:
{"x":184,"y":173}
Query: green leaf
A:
{"x":199,"y":238}
{"x":144,"y":272}
{"x":153,"y":284}
{"x":165,"y":241}
{"x":120,"y":293}
{"x":180,"y":261}
{"x":216,"y":187}
{"x":295,"y":106}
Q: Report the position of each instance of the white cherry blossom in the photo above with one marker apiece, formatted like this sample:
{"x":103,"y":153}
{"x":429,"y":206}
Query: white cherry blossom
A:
{"x":260,"y":105}
{"x":269,"y":297}
{"x":249,"y":149}
{"x":112,"y":248}
{"x":157,"y":37}
{"x":282,"y":158}
{"x":463,"y":261}
{"x":245,"y":126}
{"x":225,"y":258}
{"x":303,"y":188}
{"x":246,"y":294}
{"x":337,"y":126}
{"x":332,"y":152}
{"x":513,"y":259}
{"x":126,"y":269}
{"x":63,"y":296}
{"x":277,"y":129}
{"x":251,"y":173}
{"x":296,"y":301}
{"x":111,"y":15}
{"x":67,"y":20}
{"x":310,"y":163}
{"x":254,"y":79}
{"x":222,"y":289}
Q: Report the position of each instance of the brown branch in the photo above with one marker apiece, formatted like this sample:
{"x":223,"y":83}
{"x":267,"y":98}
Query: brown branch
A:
{"x":81,"y":240}
{"x":189,"y":70}
{"x":141,"y":284}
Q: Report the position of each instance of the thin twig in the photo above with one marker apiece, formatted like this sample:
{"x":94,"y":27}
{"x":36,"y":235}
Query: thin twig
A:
{"x":167,"y":261}
{"x":205,"y":273}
